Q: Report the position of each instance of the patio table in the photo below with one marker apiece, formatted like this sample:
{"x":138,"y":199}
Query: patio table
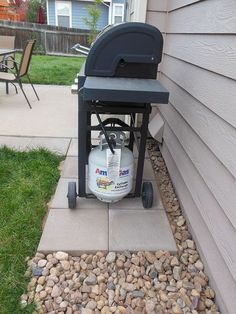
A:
{"x":5,"y":52}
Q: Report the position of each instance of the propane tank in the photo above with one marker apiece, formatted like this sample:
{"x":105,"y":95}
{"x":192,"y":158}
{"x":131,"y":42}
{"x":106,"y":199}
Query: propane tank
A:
{"x":110,"y":174}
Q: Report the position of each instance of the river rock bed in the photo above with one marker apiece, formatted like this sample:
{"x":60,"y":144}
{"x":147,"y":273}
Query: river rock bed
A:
{"x":142,"y":282}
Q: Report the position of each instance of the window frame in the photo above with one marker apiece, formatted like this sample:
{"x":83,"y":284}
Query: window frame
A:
{"x":113,"y":11}
{"x":70,"y":11}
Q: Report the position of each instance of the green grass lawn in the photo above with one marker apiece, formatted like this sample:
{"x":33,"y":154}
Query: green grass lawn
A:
{"x":53,"y":70}
{"x":27,"y":181}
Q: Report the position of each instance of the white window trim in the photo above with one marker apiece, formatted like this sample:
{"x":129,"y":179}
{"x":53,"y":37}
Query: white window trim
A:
{"x":113,"y":11}
{"x":140,"y":11}
{"x":48,"y":22}
{"x":70,"y":16}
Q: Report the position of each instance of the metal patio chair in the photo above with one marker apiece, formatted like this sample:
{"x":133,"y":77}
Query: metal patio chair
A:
{"x":21,"y":70}
{"x":7,"y":42}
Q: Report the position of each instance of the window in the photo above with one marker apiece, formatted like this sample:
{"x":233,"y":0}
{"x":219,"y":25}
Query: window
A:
{"x":63,"y":13}
{"x":118,"y":13}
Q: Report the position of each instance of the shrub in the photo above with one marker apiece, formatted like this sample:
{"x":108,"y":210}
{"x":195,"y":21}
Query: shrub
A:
{"x":92,"y":19}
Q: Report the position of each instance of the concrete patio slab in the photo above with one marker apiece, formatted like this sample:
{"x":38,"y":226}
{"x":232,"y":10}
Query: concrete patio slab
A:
{"x":56,"y":145}
{"x":136,"y":203}
{"x":73,"y":148}
{"x":137,"y":230}
{"x":70,"y":168}
{"x":148,"y":173}
{"x":59,"y":200}
{"x":75,"y":231}
{"x":93,"y":225}
{"x":18,"y":143}
{"x":55,"y":115}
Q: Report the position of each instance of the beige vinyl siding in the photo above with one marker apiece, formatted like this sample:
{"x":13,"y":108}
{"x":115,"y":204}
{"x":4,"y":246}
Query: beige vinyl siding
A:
{"x":177,"y":4}
{"x":199,"y":139}
{"x":214,"y":53}
{"x":205,"y":17}
{"x":157,"y":19}
{"x":154,"y":5}
{"x":214,"y":263}
{"x":215,"y":91}
{"x":156,"y":14}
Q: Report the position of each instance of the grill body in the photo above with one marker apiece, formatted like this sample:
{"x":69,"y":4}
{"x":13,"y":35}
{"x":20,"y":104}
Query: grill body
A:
{"x":119,"y":78}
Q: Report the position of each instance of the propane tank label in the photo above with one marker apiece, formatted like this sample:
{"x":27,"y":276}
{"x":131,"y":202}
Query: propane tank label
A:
{"x":113,"y":164}
{"x":100,"y":181}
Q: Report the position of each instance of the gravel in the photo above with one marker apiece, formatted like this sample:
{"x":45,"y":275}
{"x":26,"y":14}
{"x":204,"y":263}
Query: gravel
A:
{"x":141,"y":282}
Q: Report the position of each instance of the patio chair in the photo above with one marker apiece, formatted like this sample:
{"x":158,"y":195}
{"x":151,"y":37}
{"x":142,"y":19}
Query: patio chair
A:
{"x":21,"y":70}
{"x":7,"y":42}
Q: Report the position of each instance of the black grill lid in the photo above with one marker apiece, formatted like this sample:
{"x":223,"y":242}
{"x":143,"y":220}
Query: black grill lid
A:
{"x":126,"y":50}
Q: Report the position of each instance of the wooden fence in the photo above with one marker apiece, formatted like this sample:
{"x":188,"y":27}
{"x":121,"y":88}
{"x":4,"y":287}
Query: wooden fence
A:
{"x":50,"y":39}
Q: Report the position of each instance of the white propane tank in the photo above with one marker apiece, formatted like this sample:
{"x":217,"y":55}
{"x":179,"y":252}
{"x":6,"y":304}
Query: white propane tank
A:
{"x":110,"y":176}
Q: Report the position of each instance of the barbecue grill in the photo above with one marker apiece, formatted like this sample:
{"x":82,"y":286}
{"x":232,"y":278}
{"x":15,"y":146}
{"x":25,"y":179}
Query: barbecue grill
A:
{"x":119,"y":78}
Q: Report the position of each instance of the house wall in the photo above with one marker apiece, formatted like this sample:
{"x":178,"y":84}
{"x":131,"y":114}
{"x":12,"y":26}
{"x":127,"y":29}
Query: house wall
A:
{"x":136,"y":10}
{"x":118,"y":1}
{"x":51,"y":12}
{"x":199,"y":139}
{"x":79,"y":12}
{"x":125,"y":6}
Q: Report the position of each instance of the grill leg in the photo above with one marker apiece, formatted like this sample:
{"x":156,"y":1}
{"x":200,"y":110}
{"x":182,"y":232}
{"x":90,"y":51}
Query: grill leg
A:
{"x":141,"y":155}
{"x":82,"y":145}
{"x":131,"y":135}
{"x":7,"y":88}
{"x":89,"y":117}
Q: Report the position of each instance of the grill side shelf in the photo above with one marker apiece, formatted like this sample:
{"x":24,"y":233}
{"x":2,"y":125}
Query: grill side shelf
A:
{"x":124,"y":90}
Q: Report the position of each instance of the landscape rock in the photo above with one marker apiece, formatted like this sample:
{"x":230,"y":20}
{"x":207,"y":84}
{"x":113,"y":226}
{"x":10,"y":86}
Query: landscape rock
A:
{"x":176,"y":309}
{"x":65,"y":264}
{"x":209,"y":293}
{"x":56,"y":291}
{"x":137,"y":294}
{"x":111,"y":285}
{"x":158,"y":266}
{"x":124,"y":282}
{"x":90,"y":280}
{"x":128,"y":286}
{"x":42,"y":263}
{"x":177,"y":273}
{"x":150,"y":257}
{"x":86,"y":311}
{"x":153,"y":274}
{"x":61,"y":256}
{"x":111,"y":256}
{"x":91,"y":305}
{"x":37,"y":271}
{"x":174,"y":261}
{"x":41,"y":280}
{"x":162,"y":277}
{"x":150,"y":306}
{"x":199,"y":265}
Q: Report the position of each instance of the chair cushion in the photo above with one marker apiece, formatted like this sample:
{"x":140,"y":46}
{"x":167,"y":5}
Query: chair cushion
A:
{"x":7,"y":76}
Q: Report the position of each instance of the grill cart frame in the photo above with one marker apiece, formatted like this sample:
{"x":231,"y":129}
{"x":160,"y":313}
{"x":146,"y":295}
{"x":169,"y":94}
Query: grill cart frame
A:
{"x":119,"y":80}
